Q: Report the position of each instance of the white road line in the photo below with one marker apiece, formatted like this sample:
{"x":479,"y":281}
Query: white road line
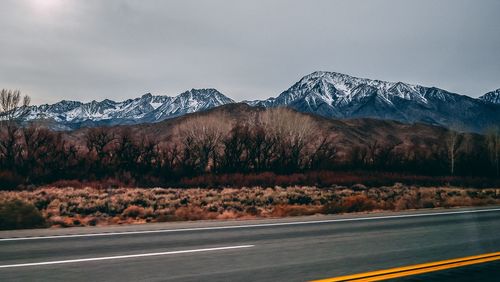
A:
{"x":250,"y":225}
{"x":126,"y":256}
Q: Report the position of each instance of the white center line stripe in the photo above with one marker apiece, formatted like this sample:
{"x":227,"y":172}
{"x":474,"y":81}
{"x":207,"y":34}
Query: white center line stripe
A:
{"x":252,"y":225}
{"x":126,"y":256}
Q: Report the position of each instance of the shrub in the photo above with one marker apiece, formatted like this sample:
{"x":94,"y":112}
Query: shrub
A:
{"x":299,"y":200}
{"x":67,"y":183}
{"x":9,"y":180}
{"x":60,"y":221}
{"x":134,"y":212}
{"x":65,"y":207}
{"x":293,"y":210}
{"x":92,"y":221}
{"x":193,"y":213}
{"x":17,"y":214}
{"x":357,"y":203}
{"x":253,"y":211}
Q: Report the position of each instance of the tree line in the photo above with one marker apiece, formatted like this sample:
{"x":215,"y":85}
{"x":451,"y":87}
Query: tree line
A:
{"x":277,"y":140}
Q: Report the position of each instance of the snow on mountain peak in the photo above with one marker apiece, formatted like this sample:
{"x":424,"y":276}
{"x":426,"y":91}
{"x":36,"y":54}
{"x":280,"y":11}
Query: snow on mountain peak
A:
{"x":337,"y":90}
{"x":329,"y":94}
{"x":147,"y":108}
{"x":338,"y":95}
{"x":492,"y":96}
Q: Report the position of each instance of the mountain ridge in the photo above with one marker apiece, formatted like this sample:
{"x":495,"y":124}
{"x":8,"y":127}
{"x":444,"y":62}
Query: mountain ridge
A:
{"x":338,"y":95}
{"x":328,"y":94}
{"x":147,"y":108}
{"x":492,"y":96}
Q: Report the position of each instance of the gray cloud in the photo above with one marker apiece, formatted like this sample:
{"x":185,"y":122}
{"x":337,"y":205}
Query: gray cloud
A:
{"x":94,"y":49}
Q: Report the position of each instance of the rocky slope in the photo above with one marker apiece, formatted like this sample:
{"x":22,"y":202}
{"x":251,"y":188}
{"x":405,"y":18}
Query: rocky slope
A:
{"x":492,"y":97}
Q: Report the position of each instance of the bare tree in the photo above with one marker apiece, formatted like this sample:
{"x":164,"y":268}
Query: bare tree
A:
{"x":201,"y":138}
{"x":126,"y":151}
{"x":99,"y":142}
{"x":292,"y":133}
{"x":385,"y":155}
{"x":9,"y":106}
{"x":39,"y":148}
{"x":493,"y":144}
{"x":359,"y":156}
{"x":261,"y":148}
{"x":236,"y":149}
{"x":324,"y":154}
{"x":372,"y":149}
{"x":453,"y":140}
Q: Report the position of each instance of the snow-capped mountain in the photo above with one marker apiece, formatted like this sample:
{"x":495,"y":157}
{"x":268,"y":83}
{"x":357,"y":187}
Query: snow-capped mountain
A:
{"x":148,"y":108}
{"x":332,"y":94}
{"x":329,"y":94}
{"x":191,"y":101}
{"x":492,"y":97}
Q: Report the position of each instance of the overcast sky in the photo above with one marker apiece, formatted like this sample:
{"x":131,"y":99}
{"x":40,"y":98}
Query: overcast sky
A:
{"x":119,"y":49}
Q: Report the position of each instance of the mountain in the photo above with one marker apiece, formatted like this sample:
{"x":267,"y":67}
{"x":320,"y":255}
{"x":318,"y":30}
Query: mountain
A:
{"x":337,"y":95}
{"x":191,"y":101}
{"x":492,"y":97}
{"x":347,"y":133}
{"x":148,"y":108}
{"x":328,"y":94}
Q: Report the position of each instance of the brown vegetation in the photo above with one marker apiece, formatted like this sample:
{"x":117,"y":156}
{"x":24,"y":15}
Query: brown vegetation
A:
{"x":90,"y":206}
{"x":239,"y":146}
{"x":17,"y":214}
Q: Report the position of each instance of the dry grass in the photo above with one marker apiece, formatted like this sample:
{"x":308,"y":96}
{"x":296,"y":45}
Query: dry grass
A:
{"x":91,"y":206}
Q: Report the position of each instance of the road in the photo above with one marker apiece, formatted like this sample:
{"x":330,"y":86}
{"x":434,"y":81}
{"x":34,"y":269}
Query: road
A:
{"x":292,"y":249}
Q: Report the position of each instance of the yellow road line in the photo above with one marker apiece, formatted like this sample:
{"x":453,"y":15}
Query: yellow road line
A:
{"x":415,"y":269}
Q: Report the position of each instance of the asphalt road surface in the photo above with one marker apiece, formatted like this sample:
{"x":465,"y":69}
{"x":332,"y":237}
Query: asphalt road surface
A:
{"x":292,"y":249}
